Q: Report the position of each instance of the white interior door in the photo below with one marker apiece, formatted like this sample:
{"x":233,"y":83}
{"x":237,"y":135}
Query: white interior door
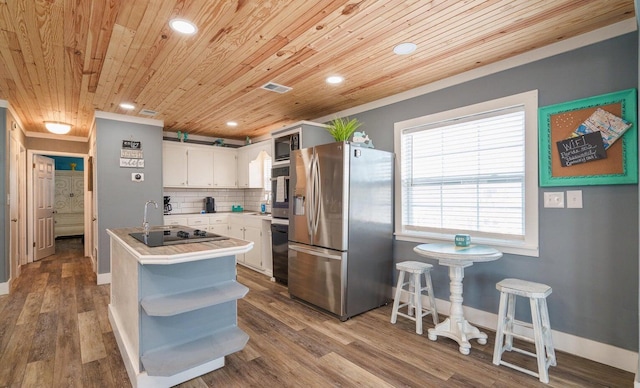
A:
{"x":14,"y":208}
{"x":44,"y":191}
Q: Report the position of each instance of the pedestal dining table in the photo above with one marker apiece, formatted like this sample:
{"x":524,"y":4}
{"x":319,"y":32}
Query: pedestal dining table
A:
{"x":457,"y":258}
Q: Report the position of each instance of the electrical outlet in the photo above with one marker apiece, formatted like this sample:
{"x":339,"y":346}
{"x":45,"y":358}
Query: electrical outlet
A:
{"x":574,"y":199}
{"x":555,"y":200}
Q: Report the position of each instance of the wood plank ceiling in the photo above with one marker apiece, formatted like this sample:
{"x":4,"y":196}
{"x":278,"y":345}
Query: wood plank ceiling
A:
{"x":61,"y":60}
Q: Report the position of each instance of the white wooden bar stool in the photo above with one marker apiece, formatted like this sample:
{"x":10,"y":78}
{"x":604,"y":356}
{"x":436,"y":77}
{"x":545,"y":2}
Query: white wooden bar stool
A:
{"x":414,"y":289}
{"x":537,"y":294}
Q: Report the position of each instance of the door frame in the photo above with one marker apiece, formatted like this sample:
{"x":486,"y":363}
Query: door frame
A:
{"x":30,"y":210}
{"x":15,"y":163}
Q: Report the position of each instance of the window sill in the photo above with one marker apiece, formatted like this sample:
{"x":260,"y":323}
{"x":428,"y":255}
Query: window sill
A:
{"x":511,"y":247}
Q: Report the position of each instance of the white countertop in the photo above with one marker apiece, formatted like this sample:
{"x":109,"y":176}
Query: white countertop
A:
{"x":178,"y":253}
{"x":265,"y":216}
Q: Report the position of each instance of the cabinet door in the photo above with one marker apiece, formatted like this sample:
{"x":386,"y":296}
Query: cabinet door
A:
{"x":221,"y":229}
{"x":237,"y":231}
{"x":200,"y":167}
{"x":224,"y":168}
{"x":254,"y":256}
{"x":175,"y":220}
{"x":174,"y":165}
{"x":243,"y":168}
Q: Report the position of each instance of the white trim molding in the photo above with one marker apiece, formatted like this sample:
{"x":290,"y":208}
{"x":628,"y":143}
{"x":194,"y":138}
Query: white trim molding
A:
{"x":4,"y":288}
{"x":129,"y":119}
{"x":45,"y":135}
{"x":103,"y":278}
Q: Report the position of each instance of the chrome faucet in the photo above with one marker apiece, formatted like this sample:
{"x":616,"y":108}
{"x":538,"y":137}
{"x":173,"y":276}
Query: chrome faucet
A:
{"x":145,"y":224}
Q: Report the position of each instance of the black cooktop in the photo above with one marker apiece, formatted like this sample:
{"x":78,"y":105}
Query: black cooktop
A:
{"x":175,"y":234}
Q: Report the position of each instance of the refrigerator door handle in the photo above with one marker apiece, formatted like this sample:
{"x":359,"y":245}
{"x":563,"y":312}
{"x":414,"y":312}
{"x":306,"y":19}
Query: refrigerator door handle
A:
{"x":300,"y":248}
{"x":317,"y":195}
{"x":309,"y":203}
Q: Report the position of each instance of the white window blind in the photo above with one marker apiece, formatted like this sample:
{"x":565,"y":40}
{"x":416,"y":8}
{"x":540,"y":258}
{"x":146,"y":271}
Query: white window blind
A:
{"x":466,"y":175}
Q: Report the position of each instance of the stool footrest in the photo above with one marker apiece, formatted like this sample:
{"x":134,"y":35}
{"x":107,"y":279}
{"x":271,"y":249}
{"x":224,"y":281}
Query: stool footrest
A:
{"x":520,"y":336}
{"x":424,"y":313}
{"x":519,"y":368}
{"x":522,"y":351}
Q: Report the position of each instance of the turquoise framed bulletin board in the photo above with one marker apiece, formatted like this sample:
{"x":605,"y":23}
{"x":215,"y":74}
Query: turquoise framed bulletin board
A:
{"x":557,"y":122}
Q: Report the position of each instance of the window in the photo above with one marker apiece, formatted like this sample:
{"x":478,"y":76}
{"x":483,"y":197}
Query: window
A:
{"x":471,"y":170}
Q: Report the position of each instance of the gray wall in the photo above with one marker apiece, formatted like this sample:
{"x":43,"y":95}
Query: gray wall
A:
{"x":56,"y":145}
{"x":120,"y":200}
{"x":588,"y":256}
{"x":4,"y":189}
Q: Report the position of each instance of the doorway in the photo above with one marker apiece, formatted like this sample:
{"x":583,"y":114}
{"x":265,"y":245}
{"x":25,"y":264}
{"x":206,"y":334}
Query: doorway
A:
{"x":69,"y":202}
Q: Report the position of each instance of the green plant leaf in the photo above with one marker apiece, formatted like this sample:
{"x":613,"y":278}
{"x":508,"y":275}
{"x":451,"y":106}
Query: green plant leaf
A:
{"x":342,"y":128}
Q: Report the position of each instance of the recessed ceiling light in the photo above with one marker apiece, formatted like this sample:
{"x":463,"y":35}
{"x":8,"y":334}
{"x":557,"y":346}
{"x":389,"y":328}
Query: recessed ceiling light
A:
{"x":183,"y":26}
{"x":335,"y":79}
{"x":127,"y":106}
{"x":405,"y":48}
{"x":232,"y":123}
{"x":57,"y":128}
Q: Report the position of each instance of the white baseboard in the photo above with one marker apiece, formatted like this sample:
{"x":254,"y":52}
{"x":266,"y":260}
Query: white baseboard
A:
{"x":104,"y":278}
{"x":5,"y":287}
{"x":581,"y":347}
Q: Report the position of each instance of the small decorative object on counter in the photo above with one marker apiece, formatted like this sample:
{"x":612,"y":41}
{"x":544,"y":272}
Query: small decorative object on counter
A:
{"x":247,"y":140}
{"x":237,"y":208}
{"x":462,"y":240}
{"x":263,"y":208}
{"x":179,"y":135}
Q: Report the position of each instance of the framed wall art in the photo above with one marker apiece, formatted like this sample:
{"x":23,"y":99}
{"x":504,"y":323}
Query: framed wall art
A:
{"x":571,"y":155}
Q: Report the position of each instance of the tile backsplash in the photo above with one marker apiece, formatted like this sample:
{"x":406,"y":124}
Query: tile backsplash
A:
{"x":191,"y":201}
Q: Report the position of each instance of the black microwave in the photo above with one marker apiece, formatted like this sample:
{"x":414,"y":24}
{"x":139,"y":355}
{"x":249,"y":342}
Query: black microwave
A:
{"x":284,"y":144}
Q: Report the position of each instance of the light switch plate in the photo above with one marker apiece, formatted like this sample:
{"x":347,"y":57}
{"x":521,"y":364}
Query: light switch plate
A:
{"x":554,"y":199}
{"x":574,"y":199}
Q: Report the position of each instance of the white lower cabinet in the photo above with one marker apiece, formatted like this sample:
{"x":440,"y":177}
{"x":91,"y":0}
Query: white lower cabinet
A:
{"x":175,"y":220}
{"x":256,"y":229}
{"x":242,"y":226}
{"x":198,"y":222}
{"x":219,"y":224}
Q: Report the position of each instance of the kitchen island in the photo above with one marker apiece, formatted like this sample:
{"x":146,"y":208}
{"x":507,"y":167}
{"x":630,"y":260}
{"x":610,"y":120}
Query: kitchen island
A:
{"x":173,"y":308}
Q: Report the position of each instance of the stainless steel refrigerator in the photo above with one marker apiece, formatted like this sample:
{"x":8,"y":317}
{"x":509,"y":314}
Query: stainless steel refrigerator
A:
{"x":341,"y":228}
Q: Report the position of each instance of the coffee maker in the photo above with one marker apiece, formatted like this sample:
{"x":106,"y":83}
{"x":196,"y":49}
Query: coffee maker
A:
{"x":210,"y":205}
{"x":167,"y":205}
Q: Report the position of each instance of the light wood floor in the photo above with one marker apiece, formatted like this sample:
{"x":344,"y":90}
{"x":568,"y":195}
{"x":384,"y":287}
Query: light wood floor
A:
{"x":54,"y":332}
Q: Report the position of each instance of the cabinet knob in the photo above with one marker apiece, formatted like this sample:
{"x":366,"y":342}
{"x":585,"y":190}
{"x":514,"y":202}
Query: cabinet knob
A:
{"x":14,"y":220}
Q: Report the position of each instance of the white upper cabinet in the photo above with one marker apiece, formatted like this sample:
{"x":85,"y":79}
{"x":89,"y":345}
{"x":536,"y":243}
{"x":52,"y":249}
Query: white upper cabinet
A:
{"x":174,"y":164}
{"x":198,"y":166}
{"x":254,"y":165}
{"x":225,"y":168}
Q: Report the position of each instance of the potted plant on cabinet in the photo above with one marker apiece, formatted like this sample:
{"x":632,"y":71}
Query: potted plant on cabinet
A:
{"x":342,"y":128}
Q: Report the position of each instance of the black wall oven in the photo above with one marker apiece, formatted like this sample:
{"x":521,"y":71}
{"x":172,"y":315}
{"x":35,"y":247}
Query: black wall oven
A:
{"x":280,"y":192}
{"x":280,"y":222}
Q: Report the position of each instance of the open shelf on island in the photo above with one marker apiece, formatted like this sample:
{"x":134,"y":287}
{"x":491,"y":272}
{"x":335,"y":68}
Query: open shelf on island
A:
{"x":169,"y":305}
{"x":168,"y":361}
